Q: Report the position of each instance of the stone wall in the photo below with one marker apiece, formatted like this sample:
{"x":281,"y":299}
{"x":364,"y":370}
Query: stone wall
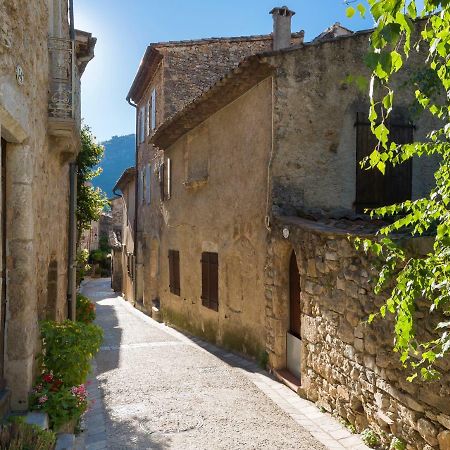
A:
{"x":315,"y":135}
{"x":37,"y":187}
{"x":347,"y":366}
{"x":191,"y":69}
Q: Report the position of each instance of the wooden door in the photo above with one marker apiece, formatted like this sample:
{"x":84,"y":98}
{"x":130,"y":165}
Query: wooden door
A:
{"x":3,"y":263}
{"x":294,"y":297}
{"x":293,"y":336}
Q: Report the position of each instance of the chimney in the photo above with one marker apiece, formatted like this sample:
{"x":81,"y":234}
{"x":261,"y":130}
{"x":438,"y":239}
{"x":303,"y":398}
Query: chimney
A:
{"x":282,"y":27}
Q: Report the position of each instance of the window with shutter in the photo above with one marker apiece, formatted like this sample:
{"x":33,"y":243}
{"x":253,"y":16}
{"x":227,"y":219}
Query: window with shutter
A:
{"x":373,"y":189}
{"x":140,"y":186}
{"x":169,"y":179}
{"x":174,"y":272}
{"x":153,"y":109}
{"x":210,"y":280}
{"x":148,"y":113}
{"x":142,"y":125}
{"x":162,"y":176}
{"x":148,"y":182}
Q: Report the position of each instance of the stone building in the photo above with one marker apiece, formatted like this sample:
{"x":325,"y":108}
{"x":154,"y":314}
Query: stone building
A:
{"x":261,"y":191}
{"x":123,"y":257}
{"x":42,"y":58}
{"x":171,"y":75}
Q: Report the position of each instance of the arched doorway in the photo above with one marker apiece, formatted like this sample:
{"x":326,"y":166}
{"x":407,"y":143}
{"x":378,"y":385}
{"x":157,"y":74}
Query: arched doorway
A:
{"x":293,"y":335}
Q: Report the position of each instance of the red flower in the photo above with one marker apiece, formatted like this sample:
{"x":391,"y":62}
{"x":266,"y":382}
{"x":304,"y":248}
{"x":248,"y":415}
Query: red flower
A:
{"x":47,"y":378}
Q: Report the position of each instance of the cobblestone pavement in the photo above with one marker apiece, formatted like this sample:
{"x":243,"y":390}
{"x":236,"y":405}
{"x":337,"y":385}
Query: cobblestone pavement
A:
{"x":155,"y":388}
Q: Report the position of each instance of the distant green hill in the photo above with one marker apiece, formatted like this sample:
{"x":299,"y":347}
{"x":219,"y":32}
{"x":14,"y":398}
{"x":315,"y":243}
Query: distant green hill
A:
{"x":119,"y":155}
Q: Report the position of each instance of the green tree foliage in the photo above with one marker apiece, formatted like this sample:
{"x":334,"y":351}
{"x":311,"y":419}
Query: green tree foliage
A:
{"x":403,"y":27}
{"x":91,"y":201}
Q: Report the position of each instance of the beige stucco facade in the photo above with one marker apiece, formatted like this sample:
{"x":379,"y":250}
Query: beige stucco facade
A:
{"x":175,"y":73}
{"x":41,"y":138}
{"x":214,"y":178}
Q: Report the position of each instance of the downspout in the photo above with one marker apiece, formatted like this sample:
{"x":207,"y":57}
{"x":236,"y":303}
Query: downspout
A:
{"x":136,"y":209}
{"x":72,"y":260}
{"x":72,"y":23}
{"x":73,"y":176}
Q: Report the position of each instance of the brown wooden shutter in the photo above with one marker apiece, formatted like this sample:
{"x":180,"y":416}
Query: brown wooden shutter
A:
{"x":210,"y":280}
{"x":205,"y":279}
{"x":169,"y":179}
{"x":373,"y":189}
{"x":174,"y":272}
{"x":214,"y":281}
{"x":162,"y":169}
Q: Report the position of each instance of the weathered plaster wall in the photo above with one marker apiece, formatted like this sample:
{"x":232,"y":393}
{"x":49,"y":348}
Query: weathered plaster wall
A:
{"x":315,"y":137}
{"x":223,"y":214}
{"x":37,"y":191}
{"x":347,"y":366}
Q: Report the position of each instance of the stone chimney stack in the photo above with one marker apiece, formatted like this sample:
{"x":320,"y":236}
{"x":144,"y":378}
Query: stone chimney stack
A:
{"x":282,"y":18}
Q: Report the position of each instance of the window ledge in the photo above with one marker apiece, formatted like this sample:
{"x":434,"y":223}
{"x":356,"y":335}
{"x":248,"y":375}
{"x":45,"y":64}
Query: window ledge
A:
{"x":195,"y":184}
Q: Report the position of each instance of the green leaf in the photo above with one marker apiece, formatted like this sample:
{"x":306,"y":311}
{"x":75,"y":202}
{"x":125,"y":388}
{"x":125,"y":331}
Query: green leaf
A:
{"x":350,"y":12}
{"x":362,"y":10}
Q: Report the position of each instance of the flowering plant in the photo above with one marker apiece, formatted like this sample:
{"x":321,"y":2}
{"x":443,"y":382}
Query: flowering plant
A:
{"x":85,"y":309}
{"x":60,"y":402}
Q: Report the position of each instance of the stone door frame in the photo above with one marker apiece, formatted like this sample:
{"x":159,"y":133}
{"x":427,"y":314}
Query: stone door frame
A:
{"x":278,"y":299}
{"x":21,"y":328}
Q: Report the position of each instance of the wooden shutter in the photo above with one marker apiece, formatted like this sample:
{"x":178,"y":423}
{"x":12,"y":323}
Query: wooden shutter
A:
{"x":210,"y":280}
{"x":153,"y":109}
{"x":148,"y":182}
{"x":169,"y":179}
{"x":162,"y":177}
{"x":174,"y":272}
{"x":373,"y":189}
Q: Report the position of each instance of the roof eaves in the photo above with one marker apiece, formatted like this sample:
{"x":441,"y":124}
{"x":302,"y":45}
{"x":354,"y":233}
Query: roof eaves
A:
{"x":127,"y":175}
{"x":148,"y":64}
{"x":235,"y":83}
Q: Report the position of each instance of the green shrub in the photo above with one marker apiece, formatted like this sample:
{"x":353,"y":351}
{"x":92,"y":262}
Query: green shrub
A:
{"x":62,"y":403}
{"x":397,"y":444}
{"x":82,"y":265}
{"x":67,"y":350}
{"x":370,"y":438}
{"x":85,"y":309}
{"x":18,"y":435}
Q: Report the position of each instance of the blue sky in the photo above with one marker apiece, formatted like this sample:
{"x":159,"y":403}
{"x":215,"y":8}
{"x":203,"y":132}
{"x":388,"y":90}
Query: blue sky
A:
{"x":125,"y":28}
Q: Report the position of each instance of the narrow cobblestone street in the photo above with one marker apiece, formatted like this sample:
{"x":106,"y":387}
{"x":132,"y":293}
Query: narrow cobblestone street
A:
{"x":158,"y":389}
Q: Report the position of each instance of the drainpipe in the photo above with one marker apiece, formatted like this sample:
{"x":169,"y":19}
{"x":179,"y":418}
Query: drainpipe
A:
{"x":72,"y":260}
{"x":136,"y":209}
{"x":72,"y":23}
